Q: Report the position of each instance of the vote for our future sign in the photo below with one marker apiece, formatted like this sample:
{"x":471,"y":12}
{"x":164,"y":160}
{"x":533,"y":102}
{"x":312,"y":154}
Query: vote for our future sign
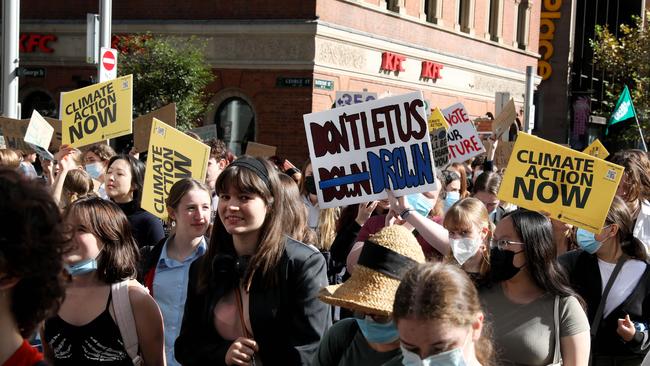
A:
{"x":97,"y":112}
{"x":359,"y":151}
{"x":462,"y":139}
{"x":573,"y":187}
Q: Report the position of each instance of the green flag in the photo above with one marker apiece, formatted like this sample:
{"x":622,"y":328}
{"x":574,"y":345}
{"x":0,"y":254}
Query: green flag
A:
{"x":624,"y":109}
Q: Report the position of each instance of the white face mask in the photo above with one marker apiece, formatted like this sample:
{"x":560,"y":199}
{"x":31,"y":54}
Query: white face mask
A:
{"x":452,"y":357}
{"x":464,"y":248}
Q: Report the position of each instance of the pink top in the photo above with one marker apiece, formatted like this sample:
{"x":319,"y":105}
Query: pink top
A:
{"x":226,"y":316}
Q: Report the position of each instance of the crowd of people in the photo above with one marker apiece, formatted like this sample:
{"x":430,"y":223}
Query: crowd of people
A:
{"x":249,"y":270}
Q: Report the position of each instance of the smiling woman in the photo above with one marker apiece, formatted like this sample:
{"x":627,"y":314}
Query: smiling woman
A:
{"x":252,"y":298}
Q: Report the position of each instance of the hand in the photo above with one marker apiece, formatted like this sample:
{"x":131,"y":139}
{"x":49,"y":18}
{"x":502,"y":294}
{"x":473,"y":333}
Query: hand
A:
{"x":626,"y":329}
{"x":397,"y":204}
{"x":63,"y":151}
{"x":241,"y":352}
{"x":392,"y":218}
{"x":134,"y":152}
{"x":364,"y":211}
{"x":67,"y":163}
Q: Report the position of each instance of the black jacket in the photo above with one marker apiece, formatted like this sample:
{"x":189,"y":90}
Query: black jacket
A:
{"x":287,"y":320}
{"x":584,"y":275}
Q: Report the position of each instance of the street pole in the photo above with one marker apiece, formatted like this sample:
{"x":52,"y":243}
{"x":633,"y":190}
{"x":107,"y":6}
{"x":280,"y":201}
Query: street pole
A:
{"x":10,"y":60}
{"x":105,"y":20}
{"x":529,"y":118}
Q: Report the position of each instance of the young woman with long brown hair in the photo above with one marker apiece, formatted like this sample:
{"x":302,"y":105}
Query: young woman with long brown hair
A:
{"x":252,"y":298}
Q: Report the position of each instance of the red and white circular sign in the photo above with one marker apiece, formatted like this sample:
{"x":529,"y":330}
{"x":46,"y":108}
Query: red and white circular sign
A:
{"x":108,"y":60}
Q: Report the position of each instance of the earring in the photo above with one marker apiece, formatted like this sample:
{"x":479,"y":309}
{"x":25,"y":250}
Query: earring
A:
{"x":173,"y":223}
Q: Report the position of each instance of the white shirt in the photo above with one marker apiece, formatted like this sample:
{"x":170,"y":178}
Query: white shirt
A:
{"x":642,"y":226}
{"x":624,"y":283}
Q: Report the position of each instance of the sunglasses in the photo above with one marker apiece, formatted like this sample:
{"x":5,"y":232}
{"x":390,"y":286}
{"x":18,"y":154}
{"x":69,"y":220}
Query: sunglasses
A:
{"x":503,"y":244}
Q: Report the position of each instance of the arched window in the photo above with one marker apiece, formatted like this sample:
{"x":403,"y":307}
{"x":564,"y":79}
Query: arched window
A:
{"x":235,"y":122}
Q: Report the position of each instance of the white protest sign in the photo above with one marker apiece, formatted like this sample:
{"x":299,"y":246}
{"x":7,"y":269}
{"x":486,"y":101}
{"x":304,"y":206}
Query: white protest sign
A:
{"x":107,"y":64}
{"x":359,"y":151}
{"x":344,"y":98}
{"x":462,"y":139}
{"x":39,"y":134}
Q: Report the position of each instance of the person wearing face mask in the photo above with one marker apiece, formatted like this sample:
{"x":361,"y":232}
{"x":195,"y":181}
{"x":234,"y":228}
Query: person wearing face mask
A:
{"x":619,"y":320}
{"x":371,"y":337}
{"x":96,"y":159}
{"x":536,"y":316}
{"x":102,"y":253}
{"x":452,"y":186}
{"x":440,"y":320}
{"x":165,"y":268}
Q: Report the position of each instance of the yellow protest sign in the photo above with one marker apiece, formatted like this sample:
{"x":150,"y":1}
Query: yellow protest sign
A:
{"x":97,"y":112}
{"x":437,"y":120}
{"x":173,"y":155}
{"x":572,"y":186}
{"x":597,"y":149}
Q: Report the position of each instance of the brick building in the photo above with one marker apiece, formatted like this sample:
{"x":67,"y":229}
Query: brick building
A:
{"x":276,"y":61}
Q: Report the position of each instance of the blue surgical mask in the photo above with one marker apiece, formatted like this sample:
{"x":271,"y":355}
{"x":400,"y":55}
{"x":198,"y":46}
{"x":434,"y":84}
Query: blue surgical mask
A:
{"x":95,"y":170}
{"x":420,"y":203}
{"x":450,"y":199}
{"x":587,"y":241}
{"x":452,"y":357}
{"x":81,"y":268}
{"x":378,"y":332}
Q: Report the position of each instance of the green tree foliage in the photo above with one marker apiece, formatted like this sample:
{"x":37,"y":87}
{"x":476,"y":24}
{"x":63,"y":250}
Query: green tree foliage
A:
{"x":166,"y":70}
{"x":625,"y":60}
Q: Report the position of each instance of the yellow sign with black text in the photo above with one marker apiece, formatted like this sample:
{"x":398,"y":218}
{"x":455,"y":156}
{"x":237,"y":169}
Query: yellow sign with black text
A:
{"x":571,"y":186}
{"x":97,"y":112}
{"x":597,"y":149}
{"x":173,"y":155}
{"x":437,"y":120}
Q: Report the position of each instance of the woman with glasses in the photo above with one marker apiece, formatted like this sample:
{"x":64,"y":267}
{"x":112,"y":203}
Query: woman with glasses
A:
{"x":620,"y":321}
{"x":371,"y":338}
{"x":634,"y":189}
{"x":529,"y":293}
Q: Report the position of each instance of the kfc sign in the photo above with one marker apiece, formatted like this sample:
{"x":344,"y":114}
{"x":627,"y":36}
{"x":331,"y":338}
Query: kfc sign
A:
{"x":430,"y":70}
{"x":34,"y":42}
{"x":392,"y":62}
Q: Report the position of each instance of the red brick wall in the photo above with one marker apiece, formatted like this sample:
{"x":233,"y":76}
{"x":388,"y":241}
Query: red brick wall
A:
{"x":278,"y":111}
{"x":416,"y":33}
{"x":172,"y":9}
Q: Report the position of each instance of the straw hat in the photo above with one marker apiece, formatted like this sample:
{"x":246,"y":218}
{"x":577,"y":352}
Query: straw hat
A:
{"x":384,"y":259}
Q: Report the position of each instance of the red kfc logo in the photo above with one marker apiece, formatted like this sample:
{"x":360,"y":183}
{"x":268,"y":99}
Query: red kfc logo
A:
{"x":392,"y":62}
{"x":430,"y":70}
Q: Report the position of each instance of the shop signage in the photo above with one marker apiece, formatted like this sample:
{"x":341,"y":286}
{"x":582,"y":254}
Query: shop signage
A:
{"x":430,"y":70}
{"x":293,"y":82}
{"x":323,"y":84}
{"x":392,"y":61}
{"x":35,"y":42}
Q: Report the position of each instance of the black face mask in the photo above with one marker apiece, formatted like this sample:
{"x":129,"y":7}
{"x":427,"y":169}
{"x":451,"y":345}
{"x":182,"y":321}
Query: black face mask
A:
{"x":310,"y":184}
{"x":501,"y":267}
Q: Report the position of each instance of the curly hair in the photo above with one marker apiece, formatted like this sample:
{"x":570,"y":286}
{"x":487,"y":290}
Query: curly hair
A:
{"x":32,"y":244}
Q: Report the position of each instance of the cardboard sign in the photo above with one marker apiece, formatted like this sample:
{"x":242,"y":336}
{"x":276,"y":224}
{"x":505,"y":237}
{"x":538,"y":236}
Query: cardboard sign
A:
{"x":142,"y":125}
{"x":503,"y":121}
{"x":597,"y":149}
{"x":462,"y":138}
{"x":260,"y":150}
{"x":97,"y":112}
{"x":359,"y":151}
{"x":55,"y":144}
{"x":13,"y":131}
{"x":344,"y":98}
{"x":572,"y":186}
{"x":437,"y":121}
{"x":502,"y":155}
{"x":39,"y":134}
{"x":172,"y":156}
{"x":206,"y":132}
